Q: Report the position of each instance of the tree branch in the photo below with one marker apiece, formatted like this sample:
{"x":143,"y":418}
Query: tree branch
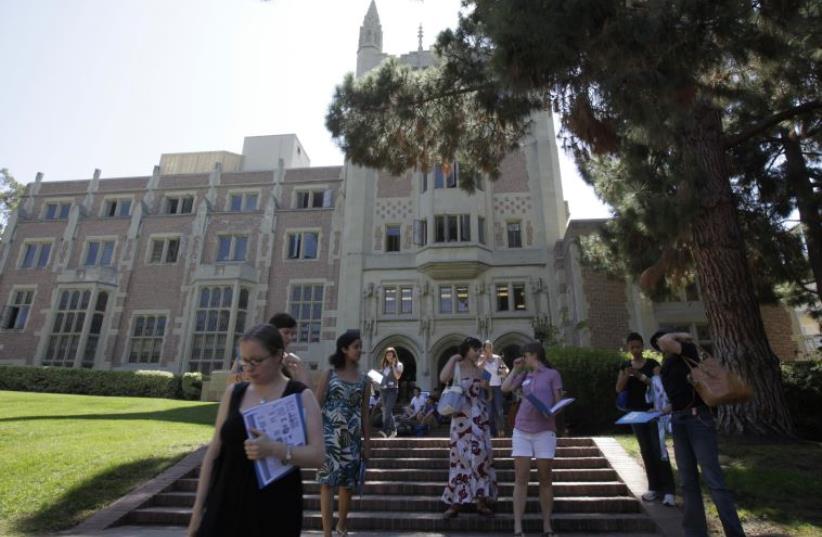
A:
{"x":753,"y":130}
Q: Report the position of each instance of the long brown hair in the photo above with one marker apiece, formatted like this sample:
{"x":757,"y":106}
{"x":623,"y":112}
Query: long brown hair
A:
{"x":384,"y":362}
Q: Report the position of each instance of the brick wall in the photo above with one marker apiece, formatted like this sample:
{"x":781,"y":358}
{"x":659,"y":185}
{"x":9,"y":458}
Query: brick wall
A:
{"x":779,"y":329}
{"x":607,"y":309}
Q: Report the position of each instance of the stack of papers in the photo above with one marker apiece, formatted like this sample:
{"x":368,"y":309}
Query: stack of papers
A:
{"x":632,"y":418}
{"x":375,"y":376}
{"x":283,"y":421}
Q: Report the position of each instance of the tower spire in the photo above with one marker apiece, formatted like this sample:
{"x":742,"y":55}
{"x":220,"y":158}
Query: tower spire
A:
{"x":369,"y":52}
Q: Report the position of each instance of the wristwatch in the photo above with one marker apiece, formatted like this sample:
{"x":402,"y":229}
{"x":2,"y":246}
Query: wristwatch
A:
{"x":288,"y":454}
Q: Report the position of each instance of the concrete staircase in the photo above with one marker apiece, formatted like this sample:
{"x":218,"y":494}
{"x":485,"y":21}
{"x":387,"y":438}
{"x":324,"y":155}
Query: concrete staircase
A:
{"x":406,"y":477}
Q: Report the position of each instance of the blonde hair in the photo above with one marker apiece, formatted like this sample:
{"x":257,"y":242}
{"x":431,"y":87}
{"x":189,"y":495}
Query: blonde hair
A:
{"x":385,"y":354}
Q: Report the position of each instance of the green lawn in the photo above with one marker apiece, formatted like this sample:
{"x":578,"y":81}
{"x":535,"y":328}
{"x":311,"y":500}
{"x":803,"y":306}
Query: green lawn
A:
{"x":776,"y":485}
{"x":62,"y":457}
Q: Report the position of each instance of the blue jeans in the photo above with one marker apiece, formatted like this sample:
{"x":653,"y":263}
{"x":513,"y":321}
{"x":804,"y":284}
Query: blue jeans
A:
{"x":389,"y":399}
{"x":495,"y":410}
{"x":695,"y":444}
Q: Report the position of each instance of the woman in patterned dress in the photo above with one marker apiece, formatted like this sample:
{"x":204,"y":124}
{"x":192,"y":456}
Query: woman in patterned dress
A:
{"x":471,"y":475}
{"x":343,"y":394}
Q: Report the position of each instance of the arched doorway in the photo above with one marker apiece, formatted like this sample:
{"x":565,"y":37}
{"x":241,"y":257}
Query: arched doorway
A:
{"x":444,"y":356}
{"x":509,"y":346}
{"x":407,"y":352}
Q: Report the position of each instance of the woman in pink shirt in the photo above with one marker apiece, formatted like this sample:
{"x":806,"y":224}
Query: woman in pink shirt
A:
{"x":534,"y":433}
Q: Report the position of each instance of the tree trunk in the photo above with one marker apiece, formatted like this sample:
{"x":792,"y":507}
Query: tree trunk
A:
{"x":799,"y":182}
{"x":728,"y":292}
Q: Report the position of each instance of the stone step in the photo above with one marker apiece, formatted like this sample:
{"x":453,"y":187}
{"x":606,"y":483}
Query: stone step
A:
{"x":433,"y":504}
{"x":501,"y":463}
{"x":399,"y":520}
{"x":430,"y":442}
{"x":566,"y":489}
{"x":442,"y":452}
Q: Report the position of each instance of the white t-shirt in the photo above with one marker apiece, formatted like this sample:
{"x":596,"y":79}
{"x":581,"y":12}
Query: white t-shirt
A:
{"x":390,"y":380}
{"x":417,"y":403}
{"x":492,"y":366}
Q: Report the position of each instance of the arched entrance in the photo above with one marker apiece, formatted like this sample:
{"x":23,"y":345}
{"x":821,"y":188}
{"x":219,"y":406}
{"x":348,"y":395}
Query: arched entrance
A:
{"x":441,"y":352}
{"x":509,"y":346}
{"x":407,"y":354}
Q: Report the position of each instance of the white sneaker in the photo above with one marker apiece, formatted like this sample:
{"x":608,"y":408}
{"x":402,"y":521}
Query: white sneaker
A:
{"x":669,"y":500}
{"x":393,"y":434}
{"x":649,"y":496}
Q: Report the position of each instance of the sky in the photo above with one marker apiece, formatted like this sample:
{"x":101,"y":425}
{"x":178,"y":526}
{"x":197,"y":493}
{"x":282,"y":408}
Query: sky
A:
{"x":113,"y":84}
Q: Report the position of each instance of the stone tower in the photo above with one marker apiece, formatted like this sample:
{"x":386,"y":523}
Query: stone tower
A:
{"x":369,"y":51}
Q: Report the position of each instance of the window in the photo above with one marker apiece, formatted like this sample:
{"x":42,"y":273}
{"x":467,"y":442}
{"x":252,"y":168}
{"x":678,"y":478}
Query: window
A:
{"x":35,"y":254}
{"x":99,"y":252}
{"x":392,"y":238}
{"x":214,"y":337}
{"x":116,"y":208}
{"x":303,"y":245}
{"x":306,"y":306}
{"x":232,"y":248}
{"x":164,"y":250}
{"x":420,"y":232}
{"x":15,"y":314}
{"x":454,"y":299}
{"x":70,"y":322}
{"x":449,"y":180}
{"x":514,"y":235}
{"x":398,"y":300}
{"x":179,"y":205}
{"x":243,"y":202}
{"x":452,"y":228}
{"x":481,"y":229}
{"x":314,"y":199}
{"x":505,"y":292}
{"x":424,"y":182}
{"x":147,"y":339}
{"x":57,"y":210}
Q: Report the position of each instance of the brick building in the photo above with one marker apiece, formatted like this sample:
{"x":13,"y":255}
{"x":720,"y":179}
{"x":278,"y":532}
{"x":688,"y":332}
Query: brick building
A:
{"x":166,"y":271}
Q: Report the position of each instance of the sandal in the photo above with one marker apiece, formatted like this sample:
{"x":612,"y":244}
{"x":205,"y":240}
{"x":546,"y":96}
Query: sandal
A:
{"x":484,"y":510}
{"x":519,"y":534}
{"x":451,"y":512}
{"x":340,"y":533}
{"x":551,"y":533}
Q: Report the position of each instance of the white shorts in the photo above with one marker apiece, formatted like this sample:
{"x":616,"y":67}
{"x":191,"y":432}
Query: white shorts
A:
{"x":534,"y":445}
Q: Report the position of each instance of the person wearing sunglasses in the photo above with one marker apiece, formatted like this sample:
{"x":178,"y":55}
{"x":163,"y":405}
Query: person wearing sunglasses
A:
{"x":229,"y":500}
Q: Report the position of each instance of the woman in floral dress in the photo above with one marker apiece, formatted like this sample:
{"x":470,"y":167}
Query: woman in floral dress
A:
{"x":343,"y":394}
{"x":471,"y":477}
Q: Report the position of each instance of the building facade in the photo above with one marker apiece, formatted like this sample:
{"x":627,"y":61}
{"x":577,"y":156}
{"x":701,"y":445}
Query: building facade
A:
{"x":166,"y":271}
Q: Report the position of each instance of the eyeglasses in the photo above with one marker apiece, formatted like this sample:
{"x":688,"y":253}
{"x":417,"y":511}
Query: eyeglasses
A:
{"x":252,"y":362}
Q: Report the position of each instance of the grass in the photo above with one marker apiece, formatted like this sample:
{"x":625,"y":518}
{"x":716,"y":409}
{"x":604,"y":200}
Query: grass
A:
{"x":62,"y":457}
{"x":776,"y":485}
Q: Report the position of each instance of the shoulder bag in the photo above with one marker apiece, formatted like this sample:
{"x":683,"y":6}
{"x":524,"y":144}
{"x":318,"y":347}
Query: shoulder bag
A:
{"x":716,"y":384}
{"x":452,"y":397}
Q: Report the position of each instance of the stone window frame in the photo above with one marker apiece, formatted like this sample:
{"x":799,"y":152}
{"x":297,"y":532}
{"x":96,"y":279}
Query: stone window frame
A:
{"x":165,"y":237}
{"x":132,"y":323}
{"x":302,"y":283}
{"x":101,"y":239}
{"x":397,"y":287}
{"x":301,"y":230}
{"x":509,"y":283}
{"x":508,"y":222}
{"x":454,"y":312}
{"x":245,"y":193}
{"x":399,"y":237}
{"x":461,"y":218}
{"x":11,"y":303}
{"x":178,"y":194}
{"x":232,"y":247}
{"x":236,"y":326}
{"x":39,"y":242}
{"x":60,"y":201}
{"x":116,"y":198}
{"x":313,"y":190}
{"x":85,"y":334}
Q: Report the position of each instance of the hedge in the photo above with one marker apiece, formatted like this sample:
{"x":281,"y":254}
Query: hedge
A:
{"x":803,"y":392}
{"x":96,"y":382}
{"x":589,"y":375}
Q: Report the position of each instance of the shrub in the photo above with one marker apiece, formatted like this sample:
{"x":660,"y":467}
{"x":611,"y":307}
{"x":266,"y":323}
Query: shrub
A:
{"x":96,"y":382}
{"x":803,"y":392}
{"x":589,"y":375}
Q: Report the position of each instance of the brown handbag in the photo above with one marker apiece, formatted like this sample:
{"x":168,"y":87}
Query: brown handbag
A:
{"x":716,"y":384}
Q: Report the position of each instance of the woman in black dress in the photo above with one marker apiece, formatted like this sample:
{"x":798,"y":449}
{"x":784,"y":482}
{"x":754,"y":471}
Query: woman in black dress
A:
{"x":229,"y":500}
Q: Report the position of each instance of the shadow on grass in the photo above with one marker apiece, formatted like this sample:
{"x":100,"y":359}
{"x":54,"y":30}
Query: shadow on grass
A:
{"x":198,"y":415}
{"x":92,"y":494}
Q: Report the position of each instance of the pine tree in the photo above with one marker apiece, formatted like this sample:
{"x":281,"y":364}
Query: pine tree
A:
{"x":10,"y":194}
{"x":625,"y":75}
